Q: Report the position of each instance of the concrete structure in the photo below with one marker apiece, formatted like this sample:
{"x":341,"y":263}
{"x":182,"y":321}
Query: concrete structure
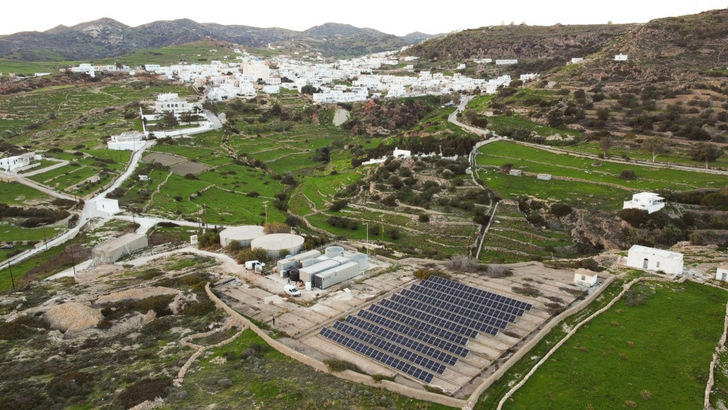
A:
{"x":506,"y":62}
{"x":646,"y":201}
{"x":126,"y":141}
{"x":620,"y":57}
{"x":401,"y":153}
{"x":515,"y":172}
{"x":115,"y":249}
{"x":107,"y":206}
{"x":585,"y":277}
{"x":308,"y":272}
{"x":722,"y":273}
{"x":277,"y":242}
{"x":643,"y":257}
{"x":243,"y":234}
{"x":544,"y":177}
{"x":576,"y":60}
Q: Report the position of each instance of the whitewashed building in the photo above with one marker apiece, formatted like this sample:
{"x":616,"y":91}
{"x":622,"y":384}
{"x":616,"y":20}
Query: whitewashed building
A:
{"x":506,"y":62}
{"x":577,"y":60}
{"x":18,"y":161}
{"x":620,"y":57}
{"x":171,"y":102}
{"x":401,"y":153}
{"x":107,"y":206}
{"x":643,"y":257}
{"x":646,"y":201}
{"x":585,"y":277}
{"x":126,"y":141}
{"x":722,"y":273}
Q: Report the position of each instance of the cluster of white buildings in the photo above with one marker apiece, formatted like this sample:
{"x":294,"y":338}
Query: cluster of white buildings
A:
{"x":341,"y":81}
{"x":90,"y":69}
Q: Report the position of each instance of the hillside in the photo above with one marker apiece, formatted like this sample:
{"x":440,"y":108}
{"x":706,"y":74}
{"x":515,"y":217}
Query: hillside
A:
{"x":108,"y":38}
{"x":552,"y":45}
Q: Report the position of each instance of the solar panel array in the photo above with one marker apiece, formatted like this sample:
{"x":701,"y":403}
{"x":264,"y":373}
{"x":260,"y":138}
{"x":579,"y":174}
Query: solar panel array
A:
{"x":378,"y":356}
{"x":434,"y":319}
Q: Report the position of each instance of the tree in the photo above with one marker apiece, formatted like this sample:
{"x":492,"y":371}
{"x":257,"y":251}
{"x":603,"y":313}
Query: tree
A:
{"x":707,"y":152}
{"x":169,"y":119}
{"x":605,"y":143}
{"x":654,"y":145}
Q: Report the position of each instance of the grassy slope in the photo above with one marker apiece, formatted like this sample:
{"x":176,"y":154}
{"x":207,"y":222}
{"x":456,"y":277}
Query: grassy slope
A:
{"x":635,"y":354}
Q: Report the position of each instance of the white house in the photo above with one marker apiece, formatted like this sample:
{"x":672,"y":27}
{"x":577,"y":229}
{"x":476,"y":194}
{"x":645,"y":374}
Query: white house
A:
{"x":126,"y":141}
{"x":722,"y":273}
{"x":620,"y":57}
{"x":506,"y":62}
{"x":528,"y":77}
{"x":646,"y":201}
{"x":585,"y":277}
{"x":576,"y":60}
{"x":171,"y":102}
{"x":401,"y":153}
{"x":17,"y":161}
{"x":642,"y":257}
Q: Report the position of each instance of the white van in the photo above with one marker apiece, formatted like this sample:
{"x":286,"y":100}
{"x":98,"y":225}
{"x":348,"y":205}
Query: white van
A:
{"x":292,"y":290}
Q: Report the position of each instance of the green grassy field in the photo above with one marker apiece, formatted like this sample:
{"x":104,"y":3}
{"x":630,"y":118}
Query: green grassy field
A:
{"x":14,"y":193}
{"x":587,"y":191}
{"x":635,"y":356}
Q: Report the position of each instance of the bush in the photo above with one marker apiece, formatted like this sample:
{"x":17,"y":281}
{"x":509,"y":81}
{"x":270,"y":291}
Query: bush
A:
{"x":338,"y":205}
{"x":560,"y":210}
{"x":637,"y":218}
{"x":338,"y":365}
{"x":159,"y":304}
{"x":147,"y":389}
{"x":424,"y":218}
{"x":235,"y":246}
{"x":393,"y":233}
{"x":70,"y":384}
{"x":199,"y":309}
{"x":627,"y":174}
{"x":276,"y":227}
{"x":424,"y":273}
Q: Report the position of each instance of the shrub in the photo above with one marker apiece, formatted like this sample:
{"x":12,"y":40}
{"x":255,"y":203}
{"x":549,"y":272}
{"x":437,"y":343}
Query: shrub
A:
{"x":199,"y":309}
{"x":338,"y":205}
{"x":235,"y":246}
{"x":637,"y":218}
{"x":159,"y":304}
{"x":147,"y":389}
{"x":276,"y":227}
{"x":338,"y":365}
{"x":627,"y":174}
{"x":393,"y":233}
{"x":560,"y":210}
{"x":424,"y":218}
{"x":424,"y":273}
{"x":70,"y":384}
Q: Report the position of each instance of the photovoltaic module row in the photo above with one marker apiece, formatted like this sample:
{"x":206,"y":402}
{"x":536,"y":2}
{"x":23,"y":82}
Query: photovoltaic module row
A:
{"x":442,"y":313}
{"x":480,"y":292}
{"x":375,"y":354}
{"x":457,"y":309}
{"x":419,"y":325}
{"x":437,"y":321}
{"x":405,"y":341}
{"x":414,"y":333}
{"x":390,"y":347}
{"x":473,"y":302}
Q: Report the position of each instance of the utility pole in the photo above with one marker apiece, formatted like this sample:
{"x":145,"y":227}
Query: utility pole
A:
{"x":45,"y":239}
{"x":12,"y":280}
{"x":367,"y":224}
{"x":73,"y":261}
{"x":265,"y":204}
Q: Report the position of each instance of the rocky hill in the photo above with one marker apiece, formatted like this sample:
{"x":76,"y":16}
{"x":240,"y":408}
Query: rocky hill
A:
{"x":108,"y":38}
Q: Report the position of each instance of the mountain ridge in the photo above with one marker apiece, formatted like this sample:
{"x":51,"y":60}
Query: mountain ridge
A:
{"x":106,"y":37}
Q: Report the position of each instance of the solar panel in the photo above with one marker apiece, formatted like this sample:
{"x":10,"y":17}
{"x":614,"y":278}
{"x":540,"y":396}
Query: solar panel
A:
{"x":471,"y":302}
{"x":488,"y":318}
{"x":480,"y":292}
{"x":380,"y":314}
{"x":377,"y":355}
{"x":437,"y":321}
{"x":444,"y":314}
{"x":390,"y":347}
{"x":402,"y":340}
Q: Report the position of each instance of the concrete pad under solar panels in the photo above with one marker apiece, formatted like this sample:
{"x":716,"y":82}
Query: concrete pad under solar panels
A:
{"x":293,"y":323}
{"x":480,"y":348}
{"x":255,"y":293}
{"x":272,"y":310}
{"x":337,"y":304}
{"x":442,"y":382}
{"x":469,"y":368}
{"x":491,"y":342}
{"x":301,"y":347}
{"x":309,"y":315}
{"x":324,"y":310}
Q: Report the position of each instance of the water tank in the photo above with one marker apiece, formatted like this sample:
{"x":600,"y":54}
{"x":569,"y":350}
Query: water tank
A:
{"x":275,"y":243}
{"x":361,"y":259}
{"x":334,"y":251}
{"x":243,"y":234}
{"x":294,"y":275}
